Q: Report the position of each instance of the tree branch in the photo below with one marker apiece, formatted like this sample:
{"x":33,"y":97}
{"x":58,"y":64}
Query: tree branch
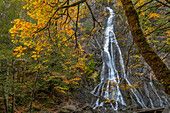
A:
{"x":61,"y":7}
{"x":144,"y":4}
{"x":157,"y":28}
{"x":78,"y":7}
{"x":94,"y":19}
{"x":163,"y":3}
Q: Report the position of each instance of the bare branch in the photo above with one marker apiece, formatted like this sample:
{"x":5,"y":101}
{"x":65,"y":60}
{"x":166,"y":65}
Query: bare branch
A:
{"x":78,"y":7}
{"x":67,"y":13}
{"x":167,"y":1}
{"x":49,"y":19}
{"x":68,"y":39}
{"x":61,"y":7}
{"x":94,"y":19}
{"x":144,"y":4}
{"x":157,"y":6}
{"x":74,"y":4}
{"x":165,"y":56}
{"x":157,"y":28}
{"x":161,"y":47}
{"x":163,"y":3}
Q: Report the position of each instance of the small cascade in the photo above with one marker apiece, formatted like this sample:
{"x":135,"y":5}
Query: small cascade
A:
{"x":108,"y":93}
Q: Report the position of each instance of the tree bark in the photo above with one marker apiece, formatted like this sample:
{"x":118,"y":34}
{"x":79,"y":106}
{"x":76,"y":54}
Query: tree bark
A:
{"x":13,"y":86}
{"x":34,"y":88}
{"x":159,"y":68}
{"x":6,"y":87}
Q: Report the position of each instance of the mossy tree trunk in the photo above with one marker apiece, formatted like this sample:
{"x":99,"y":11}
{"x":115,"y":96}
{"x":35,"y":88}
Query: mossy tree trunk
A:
{"x":159,"y":68}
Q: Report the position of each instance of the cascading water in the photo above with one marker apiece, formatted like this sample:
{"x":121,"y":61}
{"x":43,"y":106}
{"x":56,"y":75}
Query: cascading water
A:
{"x":108,"y":92}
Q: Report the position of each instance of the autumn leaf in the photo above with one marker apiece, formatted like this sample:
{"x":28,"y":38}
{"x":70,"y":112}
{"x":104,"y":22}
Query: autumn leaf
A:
{"x":34,"y":56}
{"x":14,"y":54}
{"x":153,"y":15}
{"x":18,"y":55}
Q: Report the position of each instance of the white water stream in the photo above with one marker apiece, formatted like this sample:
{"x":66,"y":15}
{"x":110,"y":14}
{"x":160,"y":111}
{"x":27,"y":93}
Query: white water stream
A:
{"x":108,"y":91}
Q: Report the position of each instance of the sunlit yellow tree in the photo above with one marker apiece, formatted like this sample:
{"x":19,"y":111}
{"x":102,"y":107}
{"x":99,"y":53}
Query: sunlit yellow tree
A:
{"x":50,"y":39}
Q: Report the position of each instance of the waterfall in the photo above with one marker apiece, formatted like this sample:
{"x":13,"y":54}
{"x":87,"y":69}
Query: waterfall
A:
{"x":108,"y":92}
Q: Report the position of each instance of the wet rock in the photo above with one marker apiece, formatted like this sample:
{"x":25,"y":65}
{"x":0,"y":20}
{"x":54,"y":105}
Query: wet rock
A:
{"x":70,"y":107}
{"x":67,"y":108}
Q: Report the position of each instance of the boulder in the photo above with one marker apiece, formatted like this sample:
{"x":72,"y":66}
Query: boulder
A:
{"x":67,"y":108}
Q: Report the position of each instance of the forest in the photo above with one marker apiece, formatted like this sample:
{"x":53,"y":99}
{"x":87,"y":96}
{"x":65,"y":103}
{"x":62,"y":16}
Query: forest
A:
{"x":84,"y":56}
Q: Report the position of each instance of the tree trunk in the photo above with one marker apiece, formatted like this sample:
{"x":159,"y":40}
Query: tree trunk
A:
{"x":159,"y":68}
{"x":13,"y":87}
{"x":6,"y":88}
{"x":34,"y":88}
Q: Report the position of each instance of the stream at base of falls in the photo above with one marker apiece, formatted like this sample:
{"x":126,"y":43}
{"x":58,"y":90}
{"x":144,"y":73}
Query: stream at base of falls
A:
{"x":115,"y":91}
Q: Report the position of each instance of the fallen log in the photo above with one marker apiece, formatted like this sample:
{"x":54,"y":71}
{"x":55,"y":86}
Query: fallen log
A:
{"x":152,"y":110}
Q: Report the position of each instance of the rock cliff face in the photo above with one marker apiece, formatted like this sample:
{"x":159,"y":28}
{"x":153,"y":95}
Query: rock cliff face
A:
{"x":148,"y":87}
